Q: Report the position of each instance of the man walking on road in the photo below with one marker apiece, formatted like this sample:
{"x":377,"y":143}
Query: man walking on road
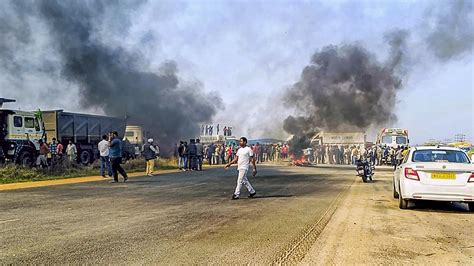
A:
{"x":115,"y":155}
{"x":243,"y":158}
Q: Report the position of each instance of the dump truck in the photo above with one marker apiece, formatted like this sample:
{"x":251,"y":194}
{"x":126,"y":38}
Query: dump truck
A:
{"x":83,"y":129}
{"x":20,"y":132}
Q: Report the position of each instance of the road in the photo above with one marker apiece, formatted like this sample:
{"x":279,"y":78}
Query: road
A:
{"x":301,"y":215}
{"x":368,"y":227}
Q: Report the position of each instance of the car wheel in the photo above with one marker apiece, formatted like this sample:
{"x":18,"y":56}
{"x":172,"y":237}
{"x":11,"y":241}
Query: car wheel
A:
{"x":395,"y":193}
{"x":471,"y":206}
{"x":402,"y":203}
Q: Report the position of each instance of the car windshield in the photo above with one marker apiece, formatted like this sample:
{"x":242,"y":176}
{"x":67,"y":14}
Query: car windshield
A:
{"x":440,"y":156}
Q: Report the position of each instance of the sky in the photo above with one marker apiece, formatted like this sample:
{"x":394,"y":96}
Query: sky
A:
{"x":244,"y":56}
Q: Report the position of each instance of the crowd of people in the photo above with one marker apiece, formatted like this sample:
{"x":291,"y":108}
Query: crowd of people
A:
{"x":53,"y":153}
{"x":192,"y":155}
{"x":345,"y":154}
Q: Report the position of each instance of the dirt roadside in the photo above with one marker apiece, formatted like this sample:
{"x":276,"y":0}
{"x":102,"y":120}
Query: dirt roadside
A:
{"x":369,"y":228}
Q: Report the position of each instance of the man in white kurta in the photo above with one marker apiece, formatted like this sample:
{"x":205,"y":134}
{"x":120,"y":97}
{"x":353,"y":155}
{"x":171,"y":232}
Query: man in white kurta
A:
{"x":243,"y":158}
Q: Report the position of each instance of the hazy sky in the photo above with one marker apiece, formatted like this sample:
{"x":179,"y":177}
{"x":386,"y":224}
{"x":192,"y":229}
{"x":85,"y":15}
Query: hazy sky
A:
{"x":251,"y":52}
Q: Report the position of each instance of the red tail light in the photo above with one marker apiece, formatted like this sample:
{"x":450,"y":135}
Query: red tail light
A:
{"x":471,"y":178}
{"x":412,"y":174}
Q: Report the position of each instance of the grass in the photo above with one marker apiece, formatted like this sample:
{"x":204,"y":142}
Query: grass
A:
{"x":12,"y":173}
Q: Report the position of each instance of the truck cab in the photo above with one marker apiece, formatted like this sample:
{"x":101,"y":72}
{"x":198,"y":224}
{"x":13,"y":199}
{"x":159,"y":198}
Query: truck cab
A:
{"x":393,"y":137}
{"x":20,"y":132}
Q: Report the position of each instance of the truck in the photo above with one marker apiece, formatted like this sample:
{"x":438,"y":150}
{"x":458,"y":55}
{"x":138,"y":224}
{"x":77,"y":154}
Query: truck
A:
{"x":340,"y":138}
{"x":134,"y":135}
{"x":20,"y":132}
{"x":83,"y":129}
{"x":134,"y":139}
{"x":392,"y":137}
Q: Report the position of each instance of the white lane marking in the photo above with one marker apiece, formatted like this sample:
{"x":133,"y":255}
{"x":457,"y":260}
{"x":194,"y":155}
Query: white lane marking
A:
{"x":7,"y":221}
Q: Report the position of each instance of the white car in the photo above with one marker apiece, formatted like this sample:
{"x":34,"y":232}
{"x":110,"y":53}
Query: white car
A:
{"x":434,"y":173}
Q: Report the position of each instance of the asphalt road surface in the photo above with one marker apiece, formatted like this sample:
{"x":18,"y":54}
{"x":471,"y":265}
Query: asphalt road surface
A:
{"x":301,"y":215}
{"x":185,"y":217}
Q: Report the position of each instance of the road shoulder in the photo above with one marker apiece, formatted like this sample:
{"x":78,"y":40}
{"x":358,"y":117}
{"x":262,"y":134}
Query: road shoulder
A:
{"x":369,"y":228}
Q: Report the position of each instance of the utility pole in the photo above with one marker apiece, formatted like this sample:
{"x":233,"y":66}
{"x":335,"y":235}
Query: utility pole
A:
{"x":460,"y":137}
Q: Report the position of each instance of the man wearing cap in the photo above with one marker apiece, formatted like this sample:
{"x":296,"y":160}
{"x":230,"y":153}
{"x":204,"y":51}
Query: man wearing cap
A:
{"x":149,"y":152}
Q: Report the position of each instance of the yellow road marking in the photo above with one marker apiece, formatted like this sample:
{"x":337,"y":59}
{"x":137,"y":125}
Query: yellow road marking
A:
{"x":74,"y":180}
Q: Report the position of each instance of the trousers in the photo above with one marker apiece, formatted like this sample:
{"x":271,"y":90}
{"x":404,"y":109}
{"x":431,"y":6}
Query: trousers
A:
{"x":116,"y":168}
{"x":243,"y":180}
{"x":150,"y":166}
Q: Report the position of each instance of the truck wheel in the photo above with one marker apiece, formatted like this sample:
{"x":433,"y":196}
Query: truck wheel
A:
{"x":26,"y":159}
{"x":85,"y":157}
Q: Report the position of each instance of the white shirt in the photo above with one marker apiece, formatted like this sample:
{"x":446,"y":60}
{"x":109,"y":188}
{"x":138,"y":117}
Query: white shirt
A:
{"x":103,"y":148}
{"x":71,"y":149}
{"x":244,"y":155}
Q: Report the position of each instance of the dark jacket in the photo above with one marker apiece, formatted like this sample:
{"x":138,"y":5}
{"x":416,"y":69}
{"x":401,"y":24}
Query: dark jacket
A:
{"x":148,"y":153}
{"x":192,"y":149}
{"x":199,"y":149}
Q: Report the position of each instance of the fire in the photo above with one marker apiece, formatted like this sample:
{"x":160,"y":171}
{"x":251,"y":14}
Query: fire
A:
{"x":298,"y":161}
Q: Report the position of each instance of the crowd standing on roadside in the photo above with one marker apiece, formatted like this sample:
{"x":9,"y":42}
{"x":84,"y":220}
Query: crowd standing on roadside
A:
{"x":349,"y":154}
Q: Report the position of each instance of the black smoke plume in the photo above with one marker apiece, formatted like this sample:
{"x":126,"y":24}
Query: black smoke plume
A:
{"x":345,"y":88}
{"x":115,"y":80}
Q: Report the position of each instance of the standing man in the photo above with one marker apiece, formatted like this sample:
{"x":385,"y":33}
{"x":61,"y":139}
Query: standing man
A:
{"x":210,"y":153}
{"x":199,"y":154}
{"x":60,"y":151}
{"x":115,"y":154}
{"x":42,"y":158}
{"x":192,"y":155}
{"x":181,"y":155}
{"x":150,"y":153}
{"x":53,"y":150}
{"x":71,"y":152}
{"x":243,"y":158}
{"x":103,"y":147}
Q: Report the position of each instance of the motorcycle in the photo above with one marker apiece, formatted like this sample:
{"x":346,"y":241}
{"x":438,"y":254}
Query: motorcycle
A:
{"x":365,"y":169}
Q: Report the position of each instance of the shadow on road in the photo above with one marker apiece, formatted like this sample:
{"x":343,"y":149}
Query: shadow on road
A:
{"x":440,"y":206}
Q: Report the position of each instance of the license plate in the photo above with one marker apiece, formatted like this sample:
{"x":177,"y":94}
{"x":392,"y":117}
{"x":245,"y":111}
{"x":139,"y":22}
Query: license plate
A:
{"x":437,"y":175}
